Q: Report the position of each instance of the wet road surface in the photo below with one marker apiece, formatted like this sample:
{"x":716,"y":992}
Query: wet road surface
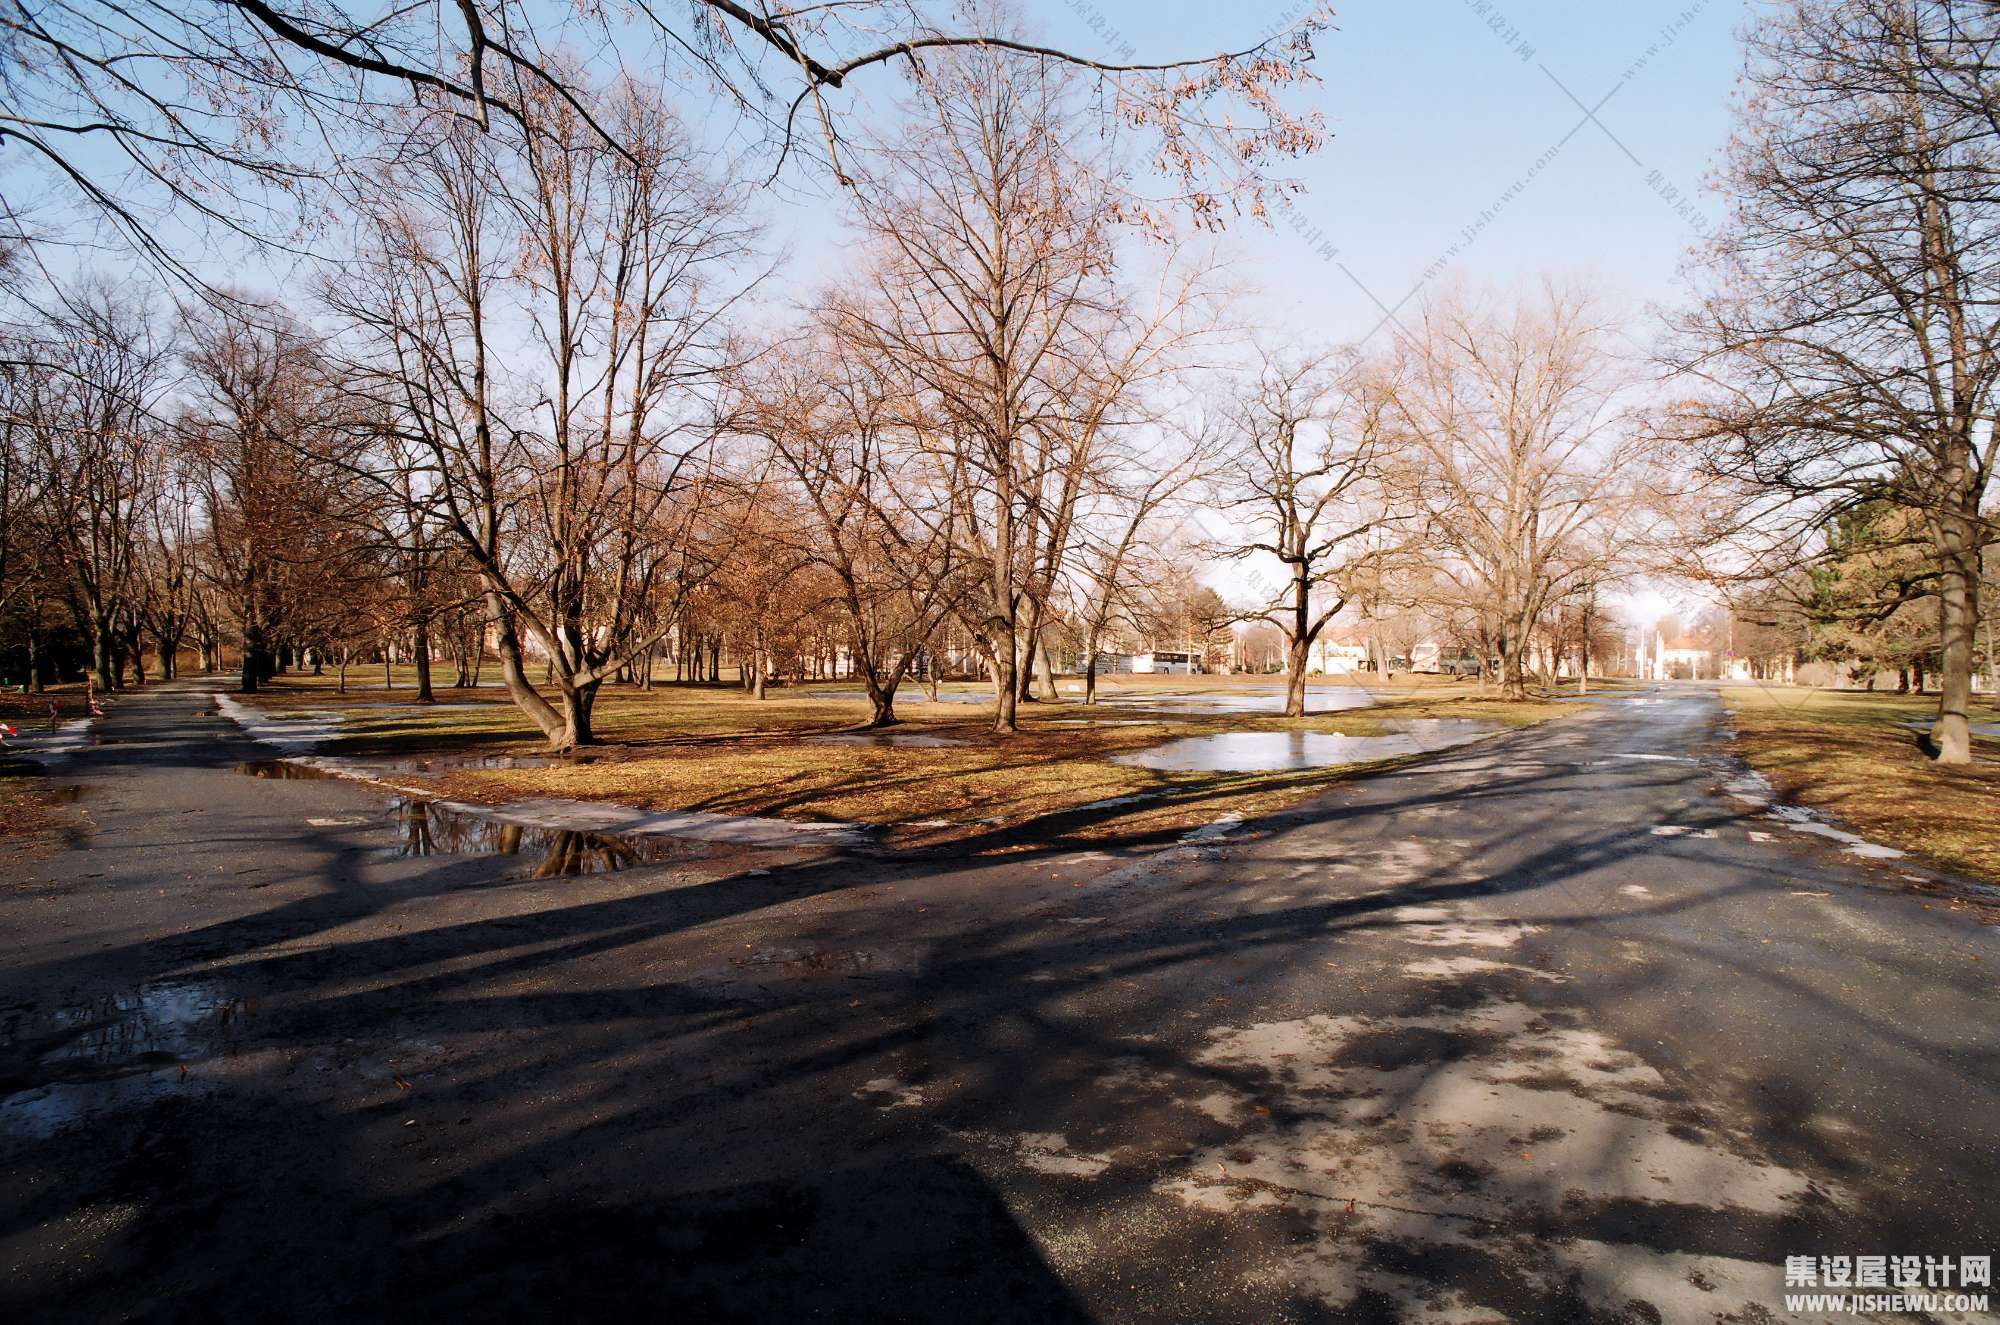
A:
{"x":1551,"y":1027}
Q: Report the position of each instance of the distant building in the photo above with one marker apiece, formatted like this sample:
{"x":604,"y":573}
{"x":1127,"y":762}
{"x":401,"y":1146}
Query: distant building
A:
{"x":1331,"y":656}
{"x":1683,"y":658}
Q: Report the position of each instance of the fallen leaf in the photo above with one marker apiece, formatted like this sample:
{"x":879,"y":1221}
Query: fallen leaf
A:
{"x":402,"y":1083}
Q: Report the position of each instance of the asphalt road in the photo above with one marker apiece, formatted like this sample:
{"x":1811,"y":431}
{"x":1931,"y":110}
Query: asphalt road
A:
{"x":1549,"y":1028}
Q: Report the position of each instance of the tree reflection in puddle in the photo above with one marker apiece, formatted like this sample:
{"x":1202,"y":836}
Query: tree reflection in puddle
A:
{"x":428,"y":828}
{"x":117,"y":1051}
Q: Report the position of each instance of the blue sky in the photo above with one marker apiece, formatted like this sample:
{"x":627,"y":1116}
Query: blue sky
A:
{"x":1443,"y":114}
{"x":1438,"y":108}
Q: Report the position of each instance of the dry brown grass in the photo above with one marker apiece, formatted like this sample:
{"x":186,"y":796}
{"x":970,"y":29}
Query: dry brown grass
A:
{"x":31,"y":711}
{"x":715,"y":749}
{"x":1845,"y":753}
{"x":36,"y":815}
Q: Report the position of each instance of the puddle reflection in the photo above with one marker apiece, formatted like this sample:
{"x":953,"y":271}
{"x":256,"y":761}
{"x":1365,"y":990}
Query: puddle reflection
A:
{"x":427,"y":828}
{"x":118,"y":1051}
{"x":1274,"y":752}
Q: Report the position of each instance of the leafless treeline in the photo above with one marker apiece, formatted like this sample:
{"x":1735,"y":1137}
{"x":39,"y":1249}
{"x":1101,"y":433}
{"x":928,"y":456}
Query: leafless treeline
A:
{"x":529,"y":414}
{"x":1843,"y":360}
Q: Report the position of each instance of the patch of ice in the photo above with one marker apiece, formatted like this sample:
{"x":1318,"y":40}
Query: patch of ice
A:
{"x":1752,"y":788}
{"x":1050,"y":1153}
{"x":1458,"y":968}
{"x":1196,"y":844}
{"x":1456,"y":1130}
{"x":50,"y":748}
{"x":290,"y":735}
{"x":1801,"y":820}
{"x":889,"y":1093}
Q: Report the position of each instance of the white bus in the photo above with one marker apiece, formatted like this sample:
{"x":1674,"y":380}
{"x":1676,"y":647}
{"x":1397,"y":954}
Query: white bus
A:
{"x":1165,"y":663}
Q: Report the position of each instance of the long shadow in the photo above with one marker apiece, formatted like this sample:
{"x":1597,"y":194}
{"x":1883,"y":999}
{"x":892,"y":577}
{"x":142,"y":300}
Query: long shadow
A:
{"x":626,"y":1113}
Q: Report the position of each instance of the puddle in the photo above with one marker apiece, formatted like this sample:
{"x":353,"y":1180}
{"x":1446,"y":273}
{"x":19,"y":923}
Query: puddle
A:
{"x":116,"y":1052}
{"x":810,"y":972}
{"x":809,"y":962}
{"x":1101,"y":722}
{"x":1987,"y":729}
{"x":284,"y":770}
{"x":471,"y":763}
{"x":1270,"y":752}
{"x":432,"y":828}
{"x":1319,"y":699}
{"x":915,"y":740}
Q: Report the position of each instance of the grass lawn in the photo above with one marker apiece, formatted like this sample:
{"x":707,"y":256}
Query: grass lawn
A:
{"x":1847,"y":753}
{"x":716,"y":749}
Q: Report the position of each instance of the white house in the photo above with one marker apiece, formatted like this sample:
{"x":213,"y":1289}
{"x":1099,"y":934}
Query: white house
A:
{"x":1331,"y":657}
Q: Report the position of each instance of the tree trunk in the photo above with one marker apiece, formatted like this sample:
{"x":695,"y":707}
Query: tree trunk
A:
{"x":1045,"y":671}
{"x":421,"y":650}
{"x":1513,"y":673}
{"x":1992,"y":658}
{"x":577,"y":703}
{"x":1958,"y":619}
{"x":529,"y":700}
{"x":1298,"y":644}
{"x":1298,"y":651}
{"x":881,"y":700}
{"x":253,"y":658}
{"x":1006,"y":712}
{"x":100,"y":656}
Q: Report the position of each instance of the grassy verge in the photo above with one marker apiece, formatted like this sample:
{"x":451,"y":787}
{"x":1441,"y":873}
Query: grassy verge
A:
{"x":31,"y":712}
{"x":715,"y":749}
{"x":1849,"y":754}
{"x":36,"y":814}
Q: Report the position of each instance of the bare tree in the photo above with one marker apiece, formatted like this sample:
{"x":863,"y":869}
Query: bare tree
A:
{"x":991,"y":271}
{"x":1515,"y":416}
{"x":177,"y":123}
{"x":267,"y":437}
{"x":91,"y":407}
{"x":1849,"y":342}
{"x":567,"y":462}
{"x":828,"y":418}
{"x":1312,"y":478}
{"x":1128,"y":522}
